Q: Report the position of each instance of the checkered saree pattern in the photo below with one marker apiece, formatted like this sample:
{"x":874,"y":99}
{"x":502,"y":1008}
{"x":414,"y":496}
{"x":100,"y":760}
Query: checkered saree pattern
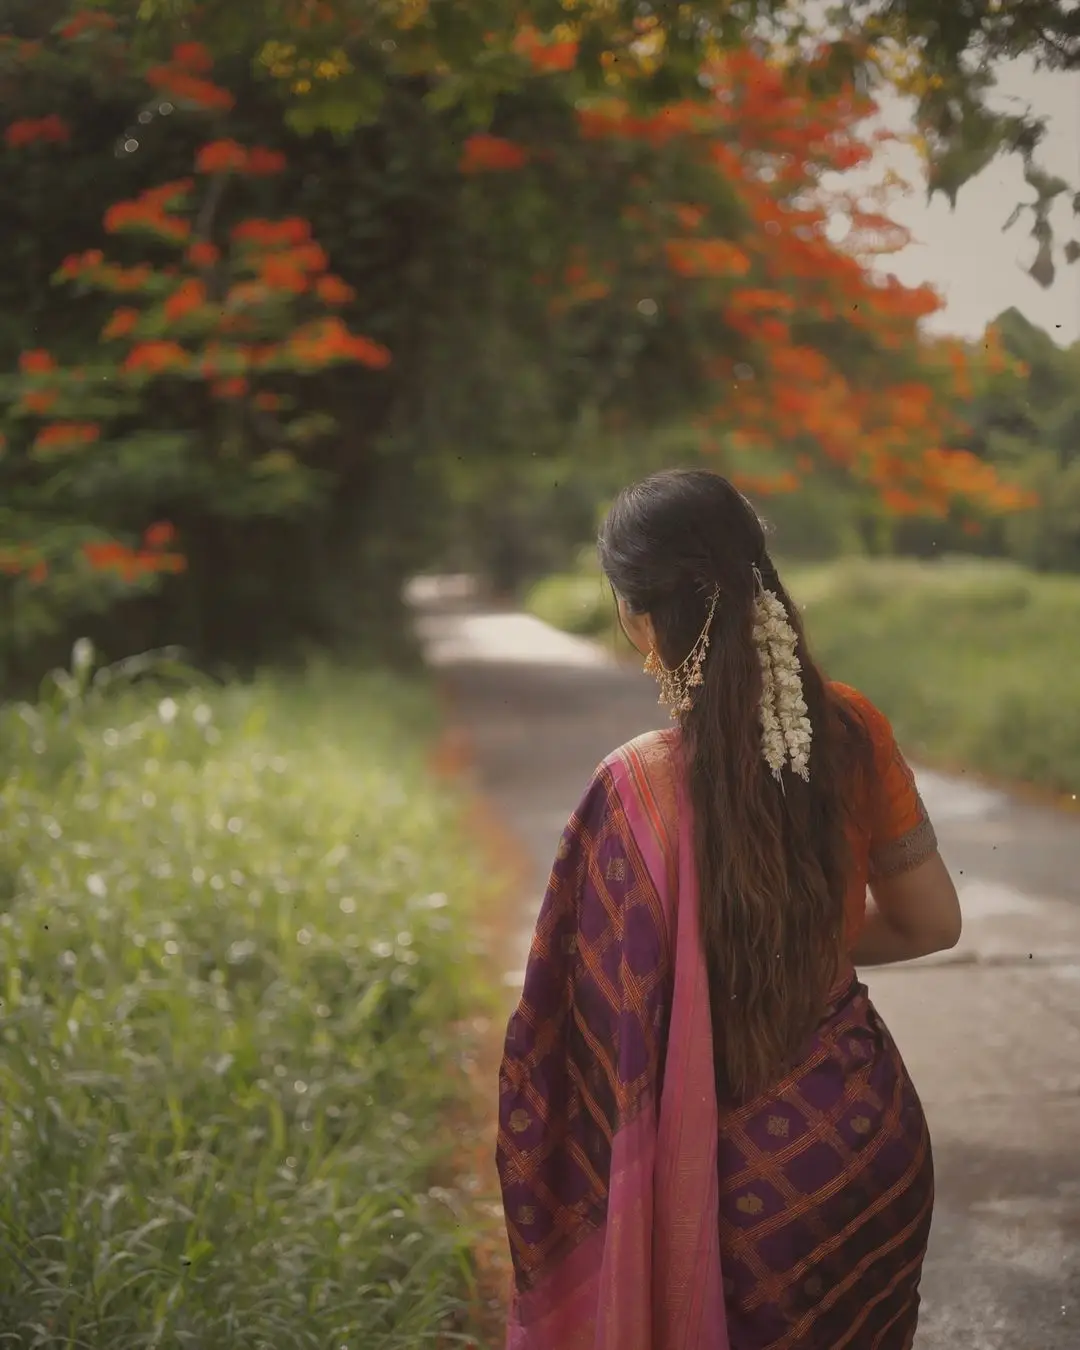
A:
{"x":583,"y":1047}
{"x":826,"y":1182}
{"x":826,"y":1197}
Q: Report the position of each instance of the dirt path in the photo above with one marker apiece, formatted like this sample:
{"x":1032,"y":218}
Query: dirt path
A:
{"x":991,"y":1033}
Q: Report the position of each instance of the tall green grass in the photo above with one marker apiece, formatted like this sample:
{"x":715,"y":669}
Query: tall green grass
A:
{"x":234,"y":955}
{"x":976,"y":662}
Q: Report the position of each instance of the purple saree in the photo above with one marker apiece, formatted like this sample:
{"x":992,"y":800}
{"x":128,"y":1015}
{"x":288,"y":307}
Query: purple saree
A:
{"x":625,"y":1189}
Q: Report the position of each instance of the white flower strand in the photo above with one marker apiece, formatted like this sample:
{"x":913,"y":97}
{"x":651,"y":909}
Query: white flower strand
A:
{"x":786,"y":733}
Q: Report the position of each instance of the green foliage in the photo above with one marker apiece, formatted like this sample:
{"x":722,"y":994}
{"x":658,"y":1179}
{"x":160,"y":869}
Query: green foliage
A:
{"x":234,"y":942}
{"x":496,"y":365}
{"x":578,"y":603}
{"x":974,"y":661}
{"x":307,"y":542}
{"x":1029,"y":426}
{"x":950,"y":54}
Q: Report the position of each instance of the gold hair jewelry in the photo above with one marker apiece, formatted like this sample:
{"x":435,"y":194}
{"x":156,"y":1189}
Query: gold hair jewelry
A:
{"x":676,"y":685}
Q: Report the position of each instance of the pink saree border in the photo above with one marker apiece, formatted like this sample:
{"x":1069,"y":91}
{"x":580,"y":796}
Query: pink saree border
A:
{"x":650,"y":1277}
{"x":688,"y":1295}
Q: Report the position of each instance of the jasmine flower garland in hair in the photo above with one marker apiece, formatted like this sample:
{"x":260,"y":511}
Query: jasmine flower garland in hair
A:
{"x":786,"y":733}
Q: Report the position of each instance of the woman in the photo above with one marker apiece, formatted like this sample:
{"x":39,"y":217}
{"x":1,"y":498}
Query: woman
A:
{"x":707,"y":1136}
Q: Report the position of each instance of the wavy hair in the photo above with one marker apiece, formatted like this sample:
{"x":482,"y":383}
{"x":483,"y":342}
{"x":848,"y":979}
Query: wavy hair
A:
{"x":773,"y":858}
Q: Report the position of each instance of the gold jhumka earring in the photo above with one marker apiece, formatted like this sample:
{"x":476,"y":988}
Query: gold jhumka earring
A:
{"x":677,"y":686}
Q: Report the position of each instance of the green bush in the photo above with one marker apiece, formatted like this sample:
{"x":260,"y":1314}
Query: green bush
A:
{"x":233,"y":943}
{"x":975,"y":662}
{"x":575,"y":602}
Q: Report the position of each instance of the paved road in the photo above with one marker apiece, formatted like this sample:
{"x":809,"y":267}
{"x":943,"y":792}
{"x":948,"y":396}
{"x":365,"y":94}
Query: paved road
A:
{"x":991,"y":1033}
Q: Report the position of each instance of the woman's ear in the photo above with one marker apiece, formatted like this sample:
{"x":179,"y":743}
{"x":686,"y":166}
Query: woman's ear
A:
{"x":638,"y":628}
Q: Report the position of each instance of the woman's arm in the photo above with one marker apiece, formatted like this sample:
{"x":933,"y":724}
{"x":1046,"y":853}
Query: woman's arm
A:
{"x":914,"y":913}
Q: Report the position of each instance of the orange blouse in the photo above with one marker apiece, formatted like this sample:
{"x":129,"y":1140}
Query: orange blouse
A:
{"x":890,"y":832}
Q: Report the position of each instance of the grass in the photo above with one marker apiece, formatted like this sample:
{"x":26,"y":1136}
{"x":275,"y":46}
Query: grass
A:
{"x":235,"y":961}
{"x":976,"y":663}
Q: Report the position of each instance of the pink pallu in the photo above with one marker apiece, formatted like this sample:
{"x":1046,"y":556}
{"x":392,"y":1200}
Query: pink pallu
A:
{"x":608,"y":1113}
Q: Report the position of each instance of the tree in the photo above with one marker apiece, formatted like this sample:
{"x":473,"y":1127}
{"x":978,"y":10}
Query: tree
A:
{"x":1026,"y":422}
{"x":945,"y":56}
{"x":613,"y":220}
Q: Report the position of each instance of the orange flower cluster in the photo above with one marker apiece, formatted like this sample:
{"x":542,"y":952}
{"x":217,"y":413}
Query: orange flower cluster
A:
{"x":283,"y":272}
{"x":123,"y":280}
{"x":193,"y":57}
{"x":77,"y":265}
{"x":707,"y":258}
{"x":188,"y":298}
{"x":122,"y":323}
{"x":959,"y":473}
{"x":244,"y":295}
{"x":285,"y":258}
{"x":766,"y":485}
{"x":160,"y":535}
{"x":234,"y":387}
{"x":87,"y":21}
{"x":51,"y":130}
{"x":131,"y":564}
{"x":771,"y":137}
{"x":332,"y":290}
{"x":60,"y":436}
{"x":148,"y":212}
{"x":580,"y":283}
{"x":546,"y":56}
{"x":285,"y":233}
{"x":38,"y":401}
{"x":156,"y":358}
{"x":327,"y":341}
{"x":751,"y":301}
{"x":613,"y":118}
{"x":232,"y":157}
{"x":483,"y":153}
{"x":184,"y":86}
{"x":689,"y":218}
{"x":36,"y":362}
{"x":203,"y":254}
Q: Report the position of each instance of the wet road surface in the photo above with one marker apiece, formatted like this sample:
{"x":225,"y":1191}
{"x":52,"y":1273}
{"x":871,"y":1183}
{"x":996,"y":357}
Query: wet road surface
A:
{"x":990,"y":1032}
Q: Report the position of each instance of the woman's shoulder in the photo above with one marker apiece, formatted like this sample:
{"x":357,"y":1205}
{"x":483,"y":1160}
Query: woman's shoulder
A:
{"x":652,"y":751}
{"x":646,"y":776}
{"x":874,"y":722}
{"x":856,"y":701}
{"x":633,"y":791}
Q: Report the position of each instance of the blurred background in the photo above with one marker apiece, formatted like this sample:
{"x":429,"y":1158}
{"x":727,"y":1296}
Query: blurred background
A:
{"x":301,"y":300}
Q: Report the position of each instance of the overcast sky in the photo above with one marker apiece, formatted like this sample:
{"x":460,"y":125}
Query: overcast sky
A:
{"x":963,"y":253}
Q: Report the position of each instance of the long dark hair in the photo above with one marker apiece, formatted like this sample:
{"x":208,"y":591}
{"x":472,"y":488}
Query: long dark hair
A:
{"x":772,"y":858}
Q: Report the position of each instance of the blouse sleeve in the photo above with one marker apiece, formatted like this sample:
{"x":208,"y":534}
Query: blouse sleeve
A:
{"x":902,"y":835}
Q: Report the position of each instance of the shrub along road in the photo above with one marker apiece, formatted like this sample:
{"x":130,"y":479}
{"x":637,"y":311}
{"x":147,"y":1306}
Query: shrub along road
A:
{"x":236,"y":944}
{"x":991,"y":1033}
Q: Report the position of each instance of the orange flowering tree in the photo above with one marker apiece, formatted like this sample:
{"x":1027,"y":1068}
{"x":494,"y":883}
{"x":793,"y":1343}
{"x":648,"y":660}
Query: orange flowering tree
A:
{"x":800,"y":356}
{"x":191,"y":403}
{"x":598,"y":216}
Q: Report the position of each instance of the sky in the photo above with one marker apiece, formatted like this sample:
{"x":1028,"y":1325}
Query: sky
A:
{"x":963,"y":254}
